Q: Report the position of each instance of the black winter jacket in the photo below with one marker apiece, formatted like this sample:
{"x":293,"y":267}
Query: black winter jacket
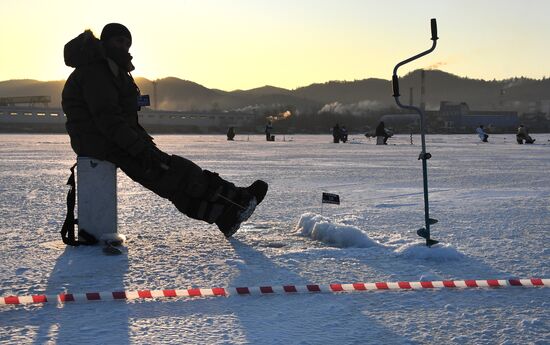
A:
{"x":100,"y":101}
{"x":380,"y":130}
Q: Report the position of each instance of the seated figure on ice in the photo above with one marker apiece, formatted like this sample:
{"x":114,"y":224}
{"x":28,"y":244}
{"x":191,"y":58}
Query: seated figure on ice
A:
{"x":524,"y":135}
{"x":382,"y":134}
{"x":482,"y":134}
{"x":100,"y":99}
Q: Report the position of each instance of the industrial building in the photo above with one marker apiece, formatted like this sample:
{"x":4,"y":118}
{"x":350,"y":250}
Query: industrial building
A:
{"x":454,"y":117}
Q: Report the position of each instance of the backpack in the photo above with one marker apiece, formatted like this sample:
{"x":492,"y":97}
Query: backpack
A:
{"x":68,"y":228}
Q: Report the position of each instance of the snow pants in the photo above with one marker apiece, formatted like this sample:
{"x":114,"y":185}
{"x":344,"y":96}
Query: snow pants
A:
{"x":197,"y":193}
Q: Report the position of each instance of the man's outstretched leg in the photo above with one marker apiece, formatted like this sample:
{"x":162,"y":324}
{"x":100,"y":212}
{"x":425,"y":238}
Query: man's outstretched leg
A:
{"x":198,"y":193}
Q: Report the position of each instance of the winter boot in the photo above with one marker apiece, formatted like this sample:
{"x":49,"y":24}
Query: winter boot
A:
{"x":240,"y":208}
{"x":204,"y":195}
{"x":207,"y":197}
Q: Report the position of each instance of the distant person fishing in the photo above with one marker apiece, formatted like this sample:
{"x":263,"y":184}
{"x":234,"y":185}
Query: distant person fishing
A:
{"x":231,"y":134}
{"x":268,"y":131}
{"x":336,"y":134}
{"x":523,"y":135}
{"x":382,"y":134}
{"x":482,"y":134}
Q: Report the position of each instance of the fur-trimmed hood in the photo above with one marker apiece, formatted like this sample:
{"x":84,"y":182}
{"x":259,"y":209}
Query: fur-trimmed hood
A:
{"x":83,"y":50}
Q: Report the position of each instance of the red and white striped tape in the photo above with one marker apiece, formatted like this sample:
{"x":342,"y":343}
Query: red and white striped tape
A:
{"x":269,"y":290}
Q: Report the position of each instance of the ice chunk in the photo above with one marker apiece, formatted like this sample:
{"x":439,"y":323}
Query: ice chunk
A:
{"x":323,"y":229}
{"x":439,"y":252}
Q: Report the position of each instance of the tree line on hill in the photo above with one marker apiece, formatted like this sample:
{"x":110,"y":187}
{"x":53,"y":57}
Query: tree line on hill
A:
{"x":315,"y":108}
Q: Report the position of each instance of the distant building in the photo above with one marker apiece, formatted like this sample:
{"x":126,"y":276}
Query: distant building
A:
{"x":402,"y":123}
{"x":542,"y":106}
{"x":536,"y":121}
{"x":29,"y":101}
{"x":32,"y":119}
{"x":453,"y":117}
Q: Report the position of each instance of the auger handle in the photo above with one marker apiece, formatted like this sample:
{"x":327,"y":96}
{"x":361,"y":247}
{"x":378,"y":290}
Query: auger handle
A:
{"x":395,"y":85}
{"x":434,"y":29}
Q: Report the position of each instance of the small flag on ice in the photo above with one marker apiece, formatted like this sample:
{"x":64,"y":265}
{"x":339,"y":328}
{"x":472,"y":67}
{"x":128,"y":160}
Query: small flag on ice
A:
{"x":329,"y":198}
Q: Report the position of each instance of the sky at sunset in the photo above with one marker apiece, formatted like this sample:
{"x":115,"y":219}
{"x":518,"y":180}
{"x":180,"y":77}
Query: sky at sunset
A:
{"x":243,"y":44}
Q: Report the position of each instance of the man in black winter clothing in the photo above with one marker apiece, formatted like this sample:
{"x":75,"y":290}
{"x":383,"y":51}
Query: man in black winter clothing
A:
{"x":381,"y":132}
{"x":100,"y":101}
{"x":336,"y":134}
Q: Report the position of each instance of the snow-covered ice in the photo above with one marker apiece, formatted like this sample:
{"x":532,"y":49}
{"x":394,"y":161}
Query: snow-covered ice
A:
{"x":491,"y":200}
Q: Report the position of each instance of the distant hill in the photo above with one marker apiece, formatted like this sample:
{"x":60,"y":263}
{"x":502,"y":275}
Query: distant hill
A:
{"x":179,"y":94}
{"x":264,"y":90}
{"x":439,"y":85}
{"x":28,"y":87}
{"x":348,"y":91}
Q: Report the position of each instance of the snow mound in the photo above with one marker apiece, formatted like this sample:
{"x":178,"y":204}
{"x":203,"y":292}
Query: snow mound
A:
{"x":338,"y":235}
{"x":438,"y":252}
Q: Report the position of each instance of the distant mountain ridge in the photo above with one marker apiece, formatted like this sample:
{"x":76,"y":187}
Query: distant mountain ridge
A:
{"x":178,"y":94}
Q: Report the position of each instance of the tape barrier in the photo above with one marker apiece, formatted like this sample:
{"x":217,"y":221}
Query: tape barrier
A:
{"x":271,"y":290}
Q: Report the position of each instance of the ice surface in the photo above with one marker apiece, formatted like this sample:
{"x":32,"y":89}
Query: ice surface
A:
{"x":492,"y":202}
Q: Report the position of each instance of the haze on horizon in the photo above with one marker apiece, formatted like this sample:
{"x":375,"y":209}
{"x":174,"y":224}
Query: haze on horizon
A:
{"x":245,"y":44}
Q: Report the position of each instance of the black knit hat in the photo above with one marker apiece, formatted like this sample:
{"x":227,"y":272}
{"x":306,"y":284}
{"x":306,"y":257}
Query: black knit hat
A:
{"x":115,"y":29}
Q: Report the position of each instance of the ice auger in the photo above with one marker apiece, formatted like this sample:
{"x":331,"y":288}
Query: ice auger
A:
{"x":424,"y":156}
